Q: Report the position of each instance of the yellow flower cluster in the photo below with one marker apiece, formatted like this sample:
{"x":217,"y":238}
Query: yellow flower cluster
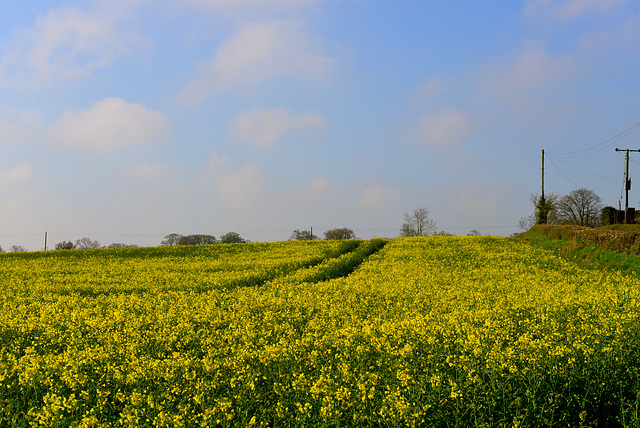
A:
{"x":439,"y":331}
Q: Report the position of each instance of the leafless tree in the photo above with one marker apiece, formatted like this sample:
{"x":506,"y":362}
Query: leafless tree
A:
{"x":417,"y":223}
{"x":526,"y":223}
{"x":86,"y":244}
{"x":581,"y":207}
{"x":171,"y":239}
{"x":302,"y":235}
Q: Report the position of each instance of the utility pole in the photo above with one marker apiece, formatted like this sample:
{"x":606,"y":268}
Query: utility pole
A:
{"x":627,"y":182}
{"x":45,"y":241}
{"x":542,"y":173}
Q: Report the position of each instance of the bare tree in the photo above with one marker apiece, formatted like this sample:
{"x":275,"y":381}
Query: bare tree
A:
{"x":417,"y":223}
{"x":121,"y":245}
{"x":302,"y":235}
{"x":17,"y":249}
{"x":86,"y":244}
{"x":171,"y":239}
{"x":526,"y":223}
{"x":581,"y":207}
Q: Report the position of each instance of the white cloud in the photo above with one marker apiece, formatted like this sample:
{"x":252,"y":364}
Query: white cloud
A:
{"x":148,"y":172}
{"x":563,"y":9}
{"x":259,"y":51}
{"x":263,"y":127}
{"x":109,"y":125}
{"x":376,"y":197}
{"x":534,"y":70}
{"x":19,"y":172}
{"x":64,"y":44}
{"x":443,"y":129}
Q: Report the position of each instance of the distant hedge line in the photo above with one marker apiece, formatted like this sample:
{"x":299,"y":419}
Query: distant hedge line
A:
{"x":616,"y":240}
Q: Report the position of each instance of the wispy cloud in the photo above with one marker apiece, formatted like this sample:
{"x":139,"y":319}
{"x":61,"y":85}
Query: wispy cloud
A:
{"x":533,"y":70}
{"x":62,"y":45}
{"x":264,"y":127}
{"x":565,"y":9}
{"x":109,"y":125}
{"x":149,"y":172}
{"x":19,"y":127}
{"x":19,"y":172}
{"x":251,"y":8}
{"x":230,"y":186}
{"x":443,"y":129}
{"x":243,"y":188}
{"x":260,"y":51}
{"x":376,"y":197}
{"x":431,"y":87}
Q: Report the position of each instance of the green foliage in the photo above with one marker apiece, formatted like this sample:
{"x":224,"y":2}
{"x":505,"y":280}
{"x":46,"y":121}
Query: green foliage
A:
{"x":353,"y":253}
{"x":545,"y":210}
{"x":340,"y":233}
{"x":65,"y":245}
{"x":542,"y":210}
{"x":608,"y":216}
{"x":621,"y":226}
{"x":231,"y":238}
{"x":197,"y":240}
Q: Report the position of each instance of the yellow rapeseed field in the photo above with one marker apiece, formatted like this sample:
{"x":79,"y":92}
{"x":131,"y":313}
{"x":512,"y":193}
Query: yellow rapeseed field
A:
{"x":438,"y":331}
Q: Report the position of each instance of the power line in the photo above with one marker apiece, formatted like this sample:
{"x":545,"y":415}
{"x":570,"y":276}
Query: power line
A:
{"x":584,"y":169}
{"x":602,"y":145}
{"x":561,"y":172}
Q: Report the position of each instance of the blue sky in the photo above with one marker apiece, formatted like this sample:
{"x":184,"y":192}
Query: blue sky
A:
{"x":125,"y":121}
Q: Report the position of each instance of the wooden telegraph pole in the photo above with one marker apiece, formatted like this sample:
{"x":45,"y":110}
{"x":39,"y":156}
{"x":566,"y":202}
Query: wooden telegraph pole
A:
{"x":627,"y":182}
{"x":543,"y":173}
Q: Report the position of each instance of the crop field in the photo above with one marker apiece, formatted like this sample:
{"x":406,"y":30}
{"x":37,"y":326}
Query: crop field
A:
{"x":438,"y":331}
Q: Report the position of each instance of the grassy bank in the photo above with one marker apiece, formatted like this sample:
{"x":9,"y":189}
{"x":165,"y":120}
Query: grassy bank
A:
{"x":608,"y":247}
